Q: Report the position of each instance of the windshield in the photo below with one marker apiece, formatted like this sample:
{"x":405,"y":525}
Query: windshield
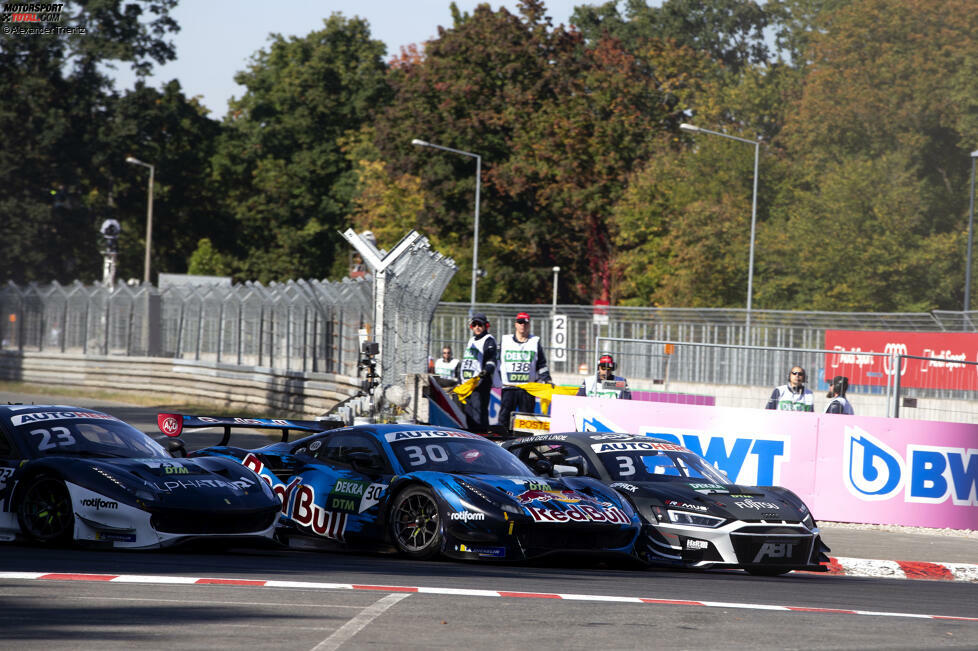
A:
{"x":83,"y":434}
{"x":629,"y":462}
{"x":454,"y":452}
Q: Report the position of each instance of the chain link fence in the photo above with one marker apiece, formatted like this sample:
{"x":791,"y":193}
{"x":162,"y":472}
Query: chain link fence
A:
{"x":714,"y":353}
{"x":769,"y":328}
{"x":413,"y":284}
{"x":305,"y":326}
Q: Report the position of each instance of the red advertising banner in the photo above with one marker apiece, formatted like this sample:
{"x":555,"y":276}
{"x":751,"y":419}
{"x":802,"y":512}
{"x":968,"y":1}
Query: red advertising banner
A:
{"x":944,"y":371}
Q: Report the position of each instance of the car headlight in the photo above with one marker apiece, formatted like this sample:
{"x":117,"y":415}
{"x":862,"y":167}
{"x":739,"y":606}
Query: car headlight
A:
{"x":145,"y":495}
{"x":499,"y":504}
{"x":695,"y":519}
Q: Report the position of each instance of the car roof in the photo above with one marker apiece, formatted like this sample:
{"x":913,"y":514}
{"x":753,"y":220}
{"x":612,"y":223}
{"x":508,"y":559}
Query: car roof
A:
{"x":581,"y":438}
{"x":14,"y":408}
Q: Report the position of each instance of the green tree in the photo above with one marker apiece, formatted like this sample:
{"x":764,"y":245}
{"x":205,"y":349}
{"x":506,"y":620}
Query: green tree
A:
{"x":876,"y":115}
{"x":54,"y":103}
{"x":288,"y":184}
{"x":173,"y":133}
{"x":559,"y":127}
{"x":730,"y":31}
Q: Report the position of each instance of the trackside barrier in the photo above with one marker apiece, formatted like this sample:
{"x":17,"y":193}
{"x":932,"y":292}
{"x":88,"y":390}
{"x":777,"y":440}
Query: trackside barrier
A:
{"x":260,"y":390}
{"x":891,"y":382}
{"x":846,"y":468}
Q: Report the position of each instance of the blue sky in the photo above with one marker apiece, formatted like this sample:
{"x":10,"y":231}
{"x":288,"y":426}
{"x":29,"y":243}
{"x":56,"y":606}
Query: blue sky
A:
{"x":218,"y":37}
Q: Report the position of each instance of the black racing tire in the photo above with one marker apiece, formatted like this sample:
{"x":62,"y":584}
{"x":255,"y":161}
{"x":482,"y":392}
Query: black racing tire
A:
{"x":767,"y":571}
{"x":415,"y":523}
{"x":45,"y":513}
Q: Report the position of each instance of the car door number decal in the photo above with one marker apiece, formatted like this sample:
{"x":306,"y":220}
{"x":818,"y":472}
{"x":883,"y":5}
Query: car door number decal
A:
{"x":62,"y":436}
{"x":416,"y":456}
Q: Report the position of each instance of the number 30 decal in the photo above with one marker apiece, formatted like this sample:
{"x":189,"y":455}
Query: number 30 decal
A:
{"x":416,"y":456}
{"x":62,"y":437}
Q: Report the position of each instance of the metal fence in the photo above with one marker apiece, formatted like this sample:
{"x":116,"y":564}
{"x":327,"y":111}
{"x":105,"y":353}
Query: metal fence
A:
{"x":302,"y":325}
{"x":769,"y":328}
{"x":720,"y":351}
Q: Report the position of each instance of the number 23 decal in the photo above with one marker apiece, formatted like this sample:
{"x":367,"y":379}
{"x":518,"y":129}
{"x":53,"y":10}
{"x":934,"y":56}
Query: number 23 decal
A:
{"x":53,"y":438}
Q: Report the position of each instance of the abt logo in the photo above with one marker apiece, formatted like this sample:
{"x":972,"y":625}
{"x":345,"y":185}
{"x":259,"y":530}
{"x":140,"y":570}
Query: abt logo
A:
{"x":774,"y":550}
{"x":927,"y":474}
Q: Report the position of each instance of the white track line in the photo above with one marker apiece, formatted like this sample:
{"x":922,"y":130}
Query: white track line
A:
{"x":370,"y":613}
{"x":396,"y":593}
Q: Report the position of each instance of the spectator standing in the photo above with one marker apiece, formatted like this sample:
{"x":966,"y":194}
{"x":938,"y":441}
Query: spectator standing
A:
{"x":838,"y":403}
{"x":447,"y":367}
{"x":480,"y":358}
{"x":593,"y":387}
{"x":793,"y":396}
{"x":522,"y":361}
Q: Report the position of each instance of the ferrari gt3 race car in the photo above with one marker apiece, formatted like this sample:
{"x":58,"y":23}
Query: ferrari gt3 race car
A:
{"x":424,"y":491}
{"x":70,"y":474}
{"x":694,"y":516}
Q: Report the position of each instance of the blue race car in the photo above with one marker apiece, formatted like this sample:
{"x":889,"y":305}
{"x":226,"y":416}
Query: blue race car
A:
{"x":422,"y":490}
{"x":79,"y":475}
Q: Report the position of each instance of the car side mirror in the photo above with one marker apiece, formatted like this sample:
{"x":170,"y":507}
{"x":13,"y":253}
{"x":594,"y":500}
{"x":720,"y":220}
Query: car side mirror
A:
{"x":176,"y":448}
{"x":542,"y":467}
{"x":567,"y":471}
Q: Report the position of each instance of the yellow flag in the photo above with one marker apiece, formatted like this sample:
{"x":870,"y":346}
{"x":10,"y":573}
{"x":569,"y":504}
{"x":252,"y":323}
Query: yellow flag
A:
{"x":464,"y":390}
{"x":545,"y":393}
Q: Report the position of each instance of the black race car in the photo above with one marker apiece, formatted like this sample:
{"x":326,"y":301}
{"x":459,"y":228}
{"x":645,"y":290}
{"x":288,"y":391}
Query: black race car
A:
{"x":70,"y":474}
{"x":694,"y":516}
{"x":423,"y":491}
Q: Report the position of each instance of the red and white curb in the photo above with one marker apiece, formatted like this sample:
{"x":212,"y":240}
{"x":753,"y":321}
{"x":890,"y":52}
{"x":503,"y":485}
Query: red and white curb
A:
{"x":903,"y":569}
{"x":464,"y":592}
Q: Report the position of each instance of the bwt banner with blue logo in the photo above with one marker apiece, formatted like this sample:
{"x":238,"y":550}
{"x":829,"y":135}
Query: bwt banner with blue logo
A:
{"x":846,"y":468}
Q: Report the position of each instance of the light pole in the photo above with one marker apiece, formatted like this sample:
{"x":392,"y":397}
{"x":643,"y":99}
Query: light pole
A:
{"x":556,"y":272}
{"x":753,"y":213}
{"x":478,"y":183}
{"x":971,"y":222}
{"x":149,"y":214}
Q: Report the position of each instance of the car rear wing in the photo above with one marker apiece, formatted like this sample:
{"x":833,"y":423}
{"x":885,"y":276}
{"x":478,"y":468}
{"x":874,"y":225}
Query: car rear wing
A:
{"x":174,"y":424}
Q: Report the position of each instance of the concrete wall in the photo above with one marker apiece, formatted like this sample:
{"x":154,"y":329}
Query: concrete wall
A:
{"x":256,"y":389}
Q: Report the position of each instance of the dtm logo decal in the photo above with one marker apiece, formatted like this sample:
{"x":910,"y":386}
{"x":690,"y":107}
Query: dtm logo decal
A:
{"x":927,"y":474}
{"x":745,"y":459}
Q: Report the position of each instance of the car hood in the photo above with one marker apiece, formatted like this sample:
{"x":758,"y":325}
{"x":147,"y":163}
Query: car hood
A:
{"x":725,"y":500}
{"x":537,"y":496}
{"x":202,"y":483}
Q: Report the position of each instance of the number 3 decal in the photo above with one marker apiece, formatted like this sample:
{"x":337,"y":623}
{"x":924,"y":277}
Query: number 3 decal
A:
{"x":626,"y":466}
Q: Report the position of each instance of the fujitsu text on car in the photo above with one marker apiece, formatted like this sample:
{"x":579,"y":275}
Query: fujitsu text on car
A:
{"x":694,"y":515}
{"x":70,"y":474}
{"x":424,"y":491}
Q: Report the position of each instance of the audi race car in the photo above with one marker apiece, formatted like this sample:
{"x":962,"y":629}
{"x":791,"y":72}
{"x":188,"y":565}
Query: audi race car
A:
{"x":70,"y":474}
{"x":423,"y":491}
{"x":694,"y":516}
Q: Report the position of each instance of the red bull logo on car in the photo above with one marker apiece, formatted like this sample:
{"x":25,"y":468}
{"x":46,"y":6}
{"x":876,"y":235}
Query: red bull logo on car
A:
{"x":579,"y":513}
{"x":534,"y":495}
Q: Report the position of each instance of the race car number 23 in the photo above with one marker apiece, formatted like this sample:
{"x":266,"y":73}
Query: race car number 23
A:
{"x":53,"y":438}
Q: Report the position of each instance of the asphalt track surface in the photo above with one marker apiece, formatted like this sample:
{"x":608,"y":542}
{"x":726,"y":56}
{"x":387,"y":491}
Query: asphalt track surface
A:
{"x":289,"y":599}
